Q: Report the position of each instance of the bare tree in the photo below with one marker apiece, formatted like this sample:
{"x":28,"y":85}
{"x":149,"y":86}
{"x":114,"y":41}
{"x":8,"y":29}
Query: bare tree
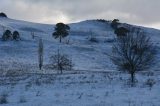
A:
{"x":133,"y":52}
{"x":40,"y":53}
{"x":61,"y":62}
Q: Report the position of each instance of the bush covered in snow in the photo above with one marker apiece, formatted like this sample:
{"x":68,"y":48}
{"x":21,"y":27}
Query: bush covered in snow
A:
{"x":16,"y":35}
{"x":7,"y":35}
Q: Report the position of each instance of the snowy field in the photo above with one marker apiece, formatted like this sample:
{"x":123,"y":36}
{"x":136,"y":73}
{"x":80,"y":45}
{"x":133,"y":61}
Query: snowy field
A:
{"x":94,"y":80}
{"x":81,"y":89}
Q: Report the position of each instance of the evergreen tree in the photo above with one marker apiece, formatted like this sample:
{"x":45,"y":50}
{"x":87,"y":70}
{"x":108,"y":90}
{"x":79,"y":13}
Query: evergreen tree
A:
{"x":121,"y":31}
{"x":6,"y":35}
{"x":3,"y":15}
{"x":61,"y":31}
{"x":115,"y":23}
{"x":16,"y":35}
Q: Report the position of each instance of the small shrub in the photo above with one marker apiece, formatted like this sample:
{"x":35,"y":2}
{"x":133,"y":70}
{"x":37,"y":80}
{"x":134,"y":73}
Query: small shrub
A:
{"x":93,"y":39}
{"x":22,"y":99}
{"x":3,"y":98}
{"x":150,"y":83}
{"x":109,"y":40}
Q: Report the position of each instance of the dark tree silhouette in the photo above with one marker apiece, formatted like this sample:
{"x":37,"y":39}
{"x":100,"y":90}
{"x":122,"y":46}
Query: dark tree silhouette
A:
{"x":121,"y":31}
{"x":6,"y":35}
{"x":115,"y":23}
{"x":3,"y":15}
{"x":61,"y":31}
{"x":16,"y":35}
{"x":133,"y":52}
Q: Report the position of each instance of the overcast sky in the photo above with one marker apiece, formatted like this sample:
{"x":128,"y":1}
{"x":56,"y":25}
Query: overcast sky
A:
{"x":139,"y":12}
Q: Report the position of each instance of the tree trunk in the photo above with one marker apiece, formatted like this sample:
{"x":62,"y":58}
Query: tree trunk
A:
{"x":60,"y":39}
{"x":40,"y":54}
{"x":40,"y":66}
{"x":61,"y":69}
{"x":132,"y":77}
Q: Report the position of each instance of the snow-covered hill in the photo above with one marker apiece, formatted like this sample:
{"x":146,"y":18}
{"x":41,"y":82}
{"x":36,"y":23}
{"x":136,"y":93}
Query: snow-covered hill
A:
{"x":94,"y":80}
{"x":86,"y":55}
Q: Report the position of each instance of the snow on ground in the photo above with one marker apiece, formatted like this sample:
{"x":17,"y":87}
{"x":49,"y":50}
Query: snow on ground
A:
{"x":82,"y":89}
{"x":85,"y":54}
{"x":94,"y":80}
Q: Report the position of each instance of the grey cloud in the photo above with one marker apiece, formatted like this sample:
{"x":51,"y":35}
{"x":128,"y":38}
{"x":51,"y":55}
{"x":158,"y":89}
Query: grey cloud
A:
{"x":133,"y":11}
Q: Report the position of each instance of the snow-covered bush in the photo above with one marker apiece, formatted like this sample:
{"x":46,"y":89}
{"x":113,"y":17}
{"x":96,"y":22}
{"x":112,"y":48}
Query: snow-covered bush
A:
{"x":7,"y":35}
{"x":16,"y":35}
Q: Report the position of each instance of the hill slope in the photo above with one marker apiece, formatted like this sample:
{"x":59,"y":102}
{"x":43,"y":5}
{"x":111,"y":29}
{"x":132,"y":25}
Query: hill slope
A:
{"x":85,"y":54}
{"x":82,"y":87}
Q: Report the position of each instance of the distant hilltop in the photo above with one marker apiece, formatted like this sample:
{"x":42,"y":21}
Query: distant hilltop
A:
{"x":3,"y":15}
